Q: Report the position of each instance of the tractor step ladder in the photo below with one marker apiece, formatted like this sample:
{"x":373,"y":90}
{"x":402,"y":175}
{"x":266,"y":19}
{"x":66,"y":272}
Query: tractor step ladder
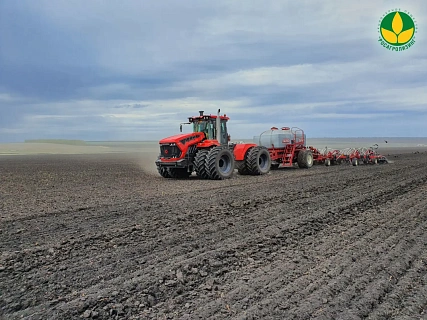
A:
{"x":288,"y":155}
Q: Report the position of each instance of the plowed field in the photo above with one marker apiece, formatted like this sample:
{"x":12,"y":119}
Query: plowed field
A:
{"x":96,"y":236}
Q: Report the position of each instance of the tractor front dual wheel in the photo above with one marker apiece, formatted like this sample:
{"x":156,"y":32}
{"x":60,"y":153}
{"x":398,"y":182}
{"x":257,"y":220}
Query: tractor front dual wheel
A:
{"x":164,"y":172}
{"x":179,"y":173}
{"x":175,"y":173}
{"x":200,"y":164}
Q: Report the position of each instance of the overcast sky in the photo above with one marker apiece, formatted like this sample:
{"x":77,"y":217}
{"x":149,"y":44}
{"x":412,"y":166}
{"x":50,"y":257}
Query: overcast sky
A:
{"x":133,"y":70}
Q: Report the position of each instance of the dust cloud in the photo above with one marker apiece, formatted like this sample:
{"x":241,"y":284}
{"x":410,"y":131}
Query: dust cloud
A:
{"x":146,"y":161}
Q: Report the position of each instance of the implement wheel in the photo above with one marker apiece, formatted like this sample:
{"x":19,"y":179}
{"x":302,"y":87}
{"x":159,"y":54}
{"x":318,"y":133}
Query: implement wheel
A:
{"x":220,"y":163}
{"x":305,"y":159}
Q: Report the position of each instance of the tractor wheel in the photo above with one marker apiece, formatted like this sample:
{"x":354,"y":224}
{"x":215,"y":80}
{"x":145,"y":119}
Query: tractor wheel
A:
{"x":164,"y":172}
{"x":374,"y":161}
{"x":355,"y":162}
{"x":241,"y":167}
{"x":305,"y":159}
{"x":327,"y":162}
{"x":178,"y":173}
{"x":258,"y":161}
{"x":220,"y":163}
{"x":200,"y":163}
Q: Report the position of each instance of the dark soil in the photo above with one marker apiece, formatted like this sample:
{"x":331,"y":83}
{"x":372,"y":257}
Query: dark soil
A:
{"x":96,"y":237}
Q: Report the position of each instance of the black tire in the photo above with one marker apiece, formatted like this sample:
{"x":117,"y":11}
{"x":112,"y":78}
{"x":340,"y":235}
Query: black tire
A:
{"x":258,"y":161}
{"x":355,"y":162}
{"x":327,"y":162}
{"x":220,"y":163}
{"x":164,"y":172}
{"x":382,"y":160}
{"x":242,"y":167}
{"x":200,"y":163}
{"x":274,"y":166}
{"x":305,"y":159}
{"x":178,"y":173}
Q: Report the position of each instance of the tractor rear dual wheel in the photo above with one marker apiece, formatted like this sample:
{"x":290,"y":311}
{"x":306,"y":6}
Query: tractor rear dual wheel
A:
{"x":257,"y":162}
{"x":242,"y":168}
{"x":219,"y":163}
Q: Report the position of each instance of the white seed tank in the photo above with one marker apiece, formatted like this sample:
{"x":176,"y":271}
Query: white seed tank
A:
{"x":279,"y":138}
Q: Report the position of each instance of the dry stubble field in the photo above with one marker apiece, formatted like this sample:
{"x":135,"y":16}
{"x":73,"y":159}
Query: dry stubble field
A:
{"x":99,"y":237}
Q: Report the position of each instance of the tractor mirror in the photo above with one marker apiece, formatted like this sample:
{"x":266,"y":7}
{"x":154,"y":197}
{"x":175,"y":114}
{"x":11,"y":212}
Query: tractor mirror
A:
{"x":180,"y":125}
{"x":229,"y":137}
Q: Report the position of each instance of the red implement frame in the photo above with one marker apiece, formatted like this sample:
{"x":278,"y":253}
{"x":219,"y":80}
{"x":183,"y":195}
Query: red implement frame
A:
{"x":287,"y":156}
{"x":335,"y":156}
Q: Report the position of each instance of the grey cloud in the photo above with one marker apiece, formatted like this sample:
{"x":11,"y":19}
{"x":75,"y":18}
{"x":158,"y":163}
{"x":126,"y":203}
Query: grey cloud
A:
{"x":131,"y":106}
{"x":85,"y":59}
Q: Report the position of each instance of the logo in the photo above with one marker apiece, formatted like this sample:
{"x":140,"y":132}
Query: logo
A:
{"x":397,"y":30}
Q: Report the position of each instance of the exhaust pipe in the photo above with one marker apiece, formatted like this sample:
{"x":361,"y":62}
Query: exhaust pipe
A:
{"x":218,"y":127}
{"x":201,"y":113}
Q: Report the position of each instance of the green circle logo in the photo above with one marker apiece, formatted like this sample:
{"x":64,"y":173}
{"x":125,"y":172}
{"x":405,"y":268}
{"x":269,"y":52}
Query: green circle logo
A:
{"x":397,"y":30}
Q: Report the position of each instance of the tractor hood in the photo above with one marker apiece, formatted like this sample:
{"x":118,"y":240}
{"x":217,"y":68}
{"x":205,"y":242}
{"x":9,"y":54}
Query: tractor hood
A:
{"x":183,"y":138}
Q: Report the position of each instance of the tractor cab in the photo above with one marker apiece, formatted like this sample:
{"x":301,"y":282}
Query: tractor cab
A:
{"x":208,"y":125}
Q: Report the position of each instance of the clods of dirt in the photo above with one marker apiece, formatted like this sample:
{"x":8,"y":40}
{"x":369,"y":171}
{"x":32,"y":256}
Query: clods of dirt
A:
{"x":96,"y":237}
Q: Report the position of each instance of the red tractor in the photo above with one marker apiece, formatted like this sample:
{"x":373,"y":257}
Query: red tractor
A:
{"x":207,"y":151}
